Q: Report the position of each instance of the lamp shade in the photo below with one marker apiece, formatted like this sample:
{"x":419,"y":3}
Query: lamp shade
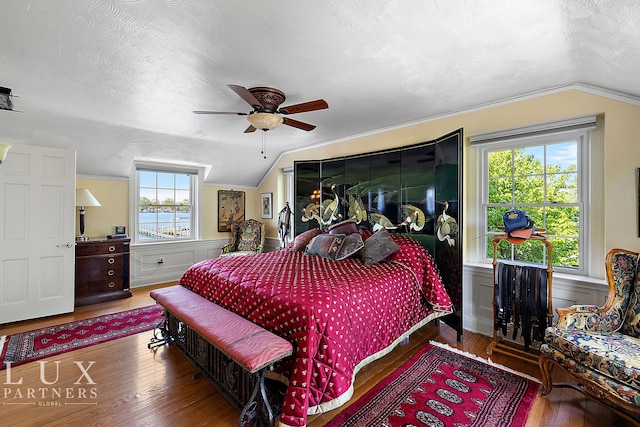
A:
{"x":265,"y":121}
{"x":4,"y":149}
{"x":85,"y":198}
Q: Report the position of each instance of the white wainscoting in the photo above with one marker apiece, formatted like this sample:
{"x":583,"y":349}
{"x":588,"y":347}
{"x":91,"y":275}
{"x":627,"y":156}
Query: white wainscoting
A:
{"x":477,"y":305}
{"x":176,"y":258}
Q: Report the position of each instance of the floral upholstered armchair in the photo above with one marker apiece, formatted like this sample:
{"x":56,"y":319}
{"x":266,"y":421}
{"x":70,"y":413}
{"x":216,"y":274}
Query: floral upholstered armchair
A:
{"x":600,"y":346}
{"x":246,"y":238}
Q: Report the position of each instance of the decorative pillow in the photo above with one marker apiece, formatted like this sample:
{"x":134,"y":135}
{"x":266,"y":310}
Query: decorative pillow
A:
{"x":347,"y":227}
{"x":302,"y":240}
{"x":351,"y":245}
{"x":378,"y":247}
{"x":325,"y":245}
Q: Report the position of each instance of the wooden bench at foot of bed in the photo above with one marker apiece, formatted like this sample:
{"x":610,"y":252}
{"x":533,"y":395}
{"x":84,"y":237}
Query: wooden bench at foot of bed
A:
{"x":219,"y":342}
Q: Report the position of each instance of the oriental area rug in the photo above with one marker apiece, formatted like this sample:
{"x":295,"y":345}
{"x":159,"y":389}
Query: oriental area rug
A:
{"x":442,"y":386}
{"x":40,"y":343}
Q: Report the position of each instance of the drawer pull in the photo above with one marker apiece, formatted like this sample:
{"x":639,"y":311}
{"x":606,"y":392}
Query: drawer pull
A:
{"x":112,"y":248}
{"x":111,"y":272}
{"x":111,"y":260}
{"x":112,"y":284}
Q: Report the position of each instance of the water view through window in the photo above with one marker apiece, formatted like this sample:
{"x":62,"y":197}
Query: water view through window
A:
{"x":164,"y":206}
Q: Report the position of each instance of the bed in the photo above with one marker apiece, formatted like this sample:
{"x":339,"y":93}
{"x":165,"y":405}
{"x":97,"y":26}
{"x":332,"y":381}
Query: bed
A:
{"x":339,"y":314}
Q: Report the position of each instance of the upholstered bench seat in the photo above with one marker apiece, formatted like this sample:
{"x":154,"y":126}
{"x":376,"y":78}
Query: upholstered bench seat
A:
{"x":246,"y":343}
{"x":232,"y":352}
{"x":614,"y":356}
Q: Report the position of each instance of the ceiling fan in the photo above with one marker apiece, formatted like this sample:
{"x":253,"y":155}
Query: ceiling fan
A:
{"x":267,"y":113}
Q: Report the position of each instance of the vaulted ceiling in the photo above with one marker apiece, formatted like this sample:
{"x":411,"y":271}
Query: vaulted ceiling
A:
{"x":118,"y":80}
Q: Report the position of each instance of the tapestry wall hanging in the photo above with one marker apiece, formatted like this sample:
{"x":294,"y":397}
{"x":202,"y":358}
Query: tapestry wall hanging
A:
{"x":230,"y":208}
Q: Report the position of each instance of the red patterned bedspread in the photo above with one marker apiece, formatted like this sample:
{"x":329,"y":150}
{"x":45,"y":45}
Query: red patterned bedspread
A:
{"x":336,"y":313}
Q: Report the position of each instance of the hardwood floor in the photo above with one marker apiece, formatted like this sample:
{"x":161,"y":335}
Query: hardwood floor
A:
{"x":133,"y":386}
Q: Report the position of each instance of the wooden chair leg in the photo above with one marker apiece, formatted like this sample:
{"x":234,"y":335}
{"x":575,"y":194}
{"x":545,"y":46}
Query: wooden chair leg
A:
{"x":545,"y":369}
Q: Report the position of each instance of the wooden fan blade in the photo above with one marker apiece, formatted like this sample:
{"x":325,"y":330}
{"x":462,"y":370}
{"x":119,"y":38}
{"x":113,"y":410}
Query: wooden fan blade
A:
{"x":219,"y":112}
{"x":244,"y":93}
{"x":318,"y":104}
{"x":250,"y":129}
{"x":296,"y":124}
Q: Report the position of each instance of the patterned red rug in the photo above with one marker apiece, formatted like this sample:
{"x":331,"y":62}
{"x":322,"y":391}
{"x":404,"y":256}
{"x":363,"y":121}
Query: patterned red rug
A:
{"x":444,"y":387}
{"x":40,"y":343}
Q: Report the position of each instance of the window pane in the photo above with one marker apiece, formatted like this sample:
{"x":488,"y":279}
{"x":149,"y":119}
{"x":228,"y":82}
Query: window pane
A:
{"x":166,"y":180}
{"x":164,"y":206}
{"x":147,"y":196}
{"x":565,"y":252}
{"x":528,"y":189}
{"x":529,"y":251}
{"x":528,"y":160}
{"x":494,"y":218}
{"x":562,"y":187}
{"x":536,"y":214}
{"x":183,"y":182}
{"x":562,"y":157}
{"x":563,"y":221}
{"x":165,"y":229}
{"x":500,"y":190}
{"x":183,"y":221}
{"x":500,"y":163}
{"x":182,"y":197}
{"x":147,"y":179}
{"x":147,"y":219}
{"x":165,"y":197}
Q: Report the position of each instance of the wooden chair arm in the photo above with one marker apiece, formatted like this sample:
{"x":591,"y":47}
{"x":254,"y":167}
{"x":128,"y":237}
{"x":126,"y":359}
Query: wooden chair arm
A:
{"x":573,"y":315}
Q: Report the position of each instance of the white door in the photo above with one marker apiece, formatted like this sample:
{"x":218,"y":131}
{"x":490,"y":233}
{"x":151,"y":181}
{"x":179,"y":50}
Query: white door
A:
{"x":37,"y":225}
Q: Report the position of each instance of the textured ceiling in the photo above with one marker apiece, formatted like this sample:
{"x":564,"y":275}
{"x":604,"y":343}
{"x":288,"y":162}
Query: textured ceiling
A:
{"x":118,"y":80}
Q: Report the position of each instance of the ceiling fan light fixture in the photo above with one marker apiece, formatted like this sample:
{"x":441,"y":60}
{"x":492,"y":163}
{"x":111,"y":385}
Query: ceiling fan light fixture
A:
{"x":5,"y":99}
{"x":265,"y":121}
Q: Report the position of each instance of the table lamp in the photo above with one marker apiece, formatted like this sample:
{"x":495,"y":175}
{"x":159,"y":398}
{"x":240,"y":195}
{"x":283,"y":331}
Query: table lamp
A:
{"x":4,"y":149}
{"x":84,"y":198}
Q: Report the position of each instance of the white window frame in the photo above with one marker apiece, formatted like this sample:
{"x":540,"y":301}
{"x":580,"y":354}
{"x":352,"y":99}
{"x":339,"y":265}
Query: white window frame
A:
{"x":196,"y":184}
{"x":578,"y":130}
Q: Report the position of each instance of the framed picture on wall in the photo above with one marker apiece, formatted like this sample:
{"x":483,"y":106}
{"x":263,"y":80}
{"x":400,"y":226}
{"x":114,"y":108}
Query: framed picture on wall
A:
{"x":266,"y":205}
{"x":230,"y":208}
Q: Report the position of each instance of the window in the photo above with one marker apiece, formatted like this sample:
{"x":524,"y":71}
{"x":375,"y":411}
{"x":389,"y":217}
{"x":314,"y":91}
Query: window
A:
{"x":165,"y":206}
{"x":542,"y":173}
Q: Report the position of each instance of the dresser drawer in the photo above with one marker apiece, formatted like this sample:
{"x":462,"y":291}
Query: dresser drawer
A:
{"x":101,"y":248}
{"x":89,"y":269}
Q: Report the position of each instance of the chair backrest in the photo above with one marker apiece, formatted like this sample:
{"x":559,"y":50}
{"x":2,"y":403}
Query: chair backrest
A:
{"x":622,"y":302}
{"x":248,"y":235}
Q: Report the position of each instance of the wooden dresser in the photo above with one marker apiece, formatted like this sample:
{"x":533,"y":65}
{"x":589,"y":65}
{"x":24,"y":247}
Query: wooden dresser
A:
{"x":102,"y":271}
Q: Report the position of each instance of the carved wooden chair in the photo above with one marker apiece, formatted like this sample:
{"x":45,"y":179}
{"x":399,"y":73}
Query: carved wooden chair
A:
{"x":247,"y":238}
{"x":599,"y":347}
